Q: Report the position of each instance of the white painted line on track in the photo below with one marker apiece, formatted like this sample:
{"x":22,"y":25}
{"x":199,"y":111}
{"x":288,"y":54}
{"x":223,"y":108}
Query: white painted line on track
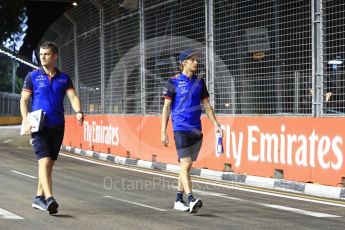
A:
{"x":117,"y":166}
{"x":280,"y":195}
{"x":195,"y":180}
{"x":23,"y":174}
{"x":7,"y":141}
{"x":142,"y":205}
{"x":8,"y":215}
{"x":285,"y":208}
{"x":299,"y":211}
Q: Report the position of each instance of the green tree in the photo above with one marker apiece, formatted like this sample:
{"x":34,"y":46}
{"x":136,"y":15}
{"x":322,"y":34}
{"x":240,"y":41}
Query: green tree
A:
{"x":12,"y":14}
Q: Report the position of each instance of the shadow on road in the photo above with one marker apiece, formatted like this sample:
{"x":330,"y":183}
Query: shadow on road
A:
{"x":63,"y":216}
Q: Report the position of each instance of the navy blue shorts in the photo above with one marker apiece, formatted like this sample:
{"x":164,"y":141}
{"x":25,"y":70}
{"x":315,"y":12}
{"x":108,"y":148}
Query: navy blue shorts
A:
{"x":47,"y":143}
{"x":188,"y":144}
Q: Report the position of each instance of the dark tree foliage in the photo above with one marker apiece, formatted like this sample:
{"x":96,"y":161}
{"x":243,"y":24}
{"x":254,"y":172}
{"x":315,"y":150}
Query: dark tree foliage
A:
{"x":11,"y":16}
{"x":6,"y":76}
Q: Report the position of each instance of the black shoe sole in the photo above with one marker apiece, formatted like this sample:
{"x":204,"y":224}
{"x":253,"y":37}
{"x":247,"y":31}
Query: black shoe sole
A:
{"x":52,"y":208}
{"x":197,"y":206}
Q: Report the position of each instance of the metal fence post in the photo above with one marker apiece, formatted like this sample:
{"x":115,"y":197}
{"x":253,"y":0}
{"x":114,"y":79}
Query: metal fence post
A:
{"x":101,"y":31}
{"x":142,"y":56}
{"x":76,"y":70}
{"x":209,"y":15}
{"x":278,"y":78}
{"x":14,"y":73}
{"x":317,"y":58}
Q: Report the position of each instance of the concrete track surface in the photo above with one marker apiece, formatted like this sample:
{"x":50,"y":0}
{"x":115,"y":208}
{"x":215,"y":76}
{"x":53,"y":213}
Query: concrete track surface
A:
{"x":99,"y":195}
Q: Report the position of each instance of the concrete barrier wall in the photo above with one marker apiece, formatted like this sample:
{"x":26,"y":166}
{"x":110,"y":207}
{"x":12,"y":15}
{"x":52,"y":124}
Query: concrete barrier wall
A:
{"x":299,"y":149}
{"x":8,"y":120}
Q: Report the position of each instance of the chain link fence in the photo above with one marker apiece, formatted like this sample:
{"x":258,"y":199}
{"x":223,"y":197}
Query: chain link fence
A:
{"x":334,"y":54}
{"x":269,"y":57}
{"x":9,"y":104}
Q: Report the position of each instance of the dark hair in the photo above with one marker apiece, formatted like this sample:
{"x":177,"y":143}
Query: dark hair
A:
{"x":50,"y":45}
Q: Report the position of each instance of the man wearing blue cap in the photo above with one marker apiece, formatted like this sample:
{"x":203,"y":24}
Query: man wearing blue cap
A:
{"x":184,"y":95}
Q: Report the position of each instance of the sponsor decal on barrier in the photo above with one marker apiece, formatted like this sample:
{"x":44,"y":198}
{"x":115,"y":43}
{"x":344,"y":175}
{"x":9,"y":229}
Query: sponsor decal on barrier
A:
{"x":101,"y":134}
{"x":284,"y":148}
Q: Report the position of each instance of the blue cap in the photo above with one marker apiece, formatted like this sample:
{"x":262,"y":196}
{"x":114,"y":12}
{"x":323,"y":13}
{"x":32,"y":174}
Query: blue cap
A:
{"x":185,"y":54}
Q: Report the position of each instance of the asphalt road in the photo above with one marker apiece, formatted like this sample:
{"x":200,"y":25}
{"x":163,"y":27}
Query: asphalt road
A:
{"x":97,"y":195}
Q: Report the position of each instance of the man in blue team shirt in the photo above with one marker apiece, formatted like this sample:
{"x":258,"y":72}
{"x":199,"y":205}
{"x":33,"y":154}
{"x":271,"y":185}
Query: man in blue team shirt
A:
{"x":47,"y":87}
{"x":184,"y":95}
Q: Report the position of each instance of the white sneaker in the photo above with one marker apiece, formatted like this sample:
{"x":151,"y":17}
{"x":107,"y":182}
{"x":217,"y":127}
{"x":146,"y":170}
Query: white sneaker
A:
{"x":195,"y":205}
{"x":181,"y":206}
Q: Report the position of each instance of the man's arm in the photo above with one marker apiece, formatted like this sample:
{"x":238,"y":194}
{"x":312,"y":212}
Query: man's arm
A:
{"x":165,"y":120}
{"x":75,"y":102}
{"x":24,"y":102}
{"x":210,"y":114}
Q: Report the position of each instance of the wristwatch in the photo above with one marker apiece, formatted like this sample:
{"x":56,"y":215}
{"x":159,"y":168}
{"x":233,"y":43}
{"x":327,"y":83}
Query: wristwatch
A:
{"x":80,"y":112}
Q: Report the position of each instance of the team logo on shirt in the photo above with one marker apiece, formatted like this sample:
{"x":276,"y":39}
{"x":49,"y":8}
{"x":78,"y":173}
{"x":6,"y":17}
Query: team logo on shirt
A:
{"x":183,"y":86}
{"x":40,"y":78}
{"x":41,"y":84}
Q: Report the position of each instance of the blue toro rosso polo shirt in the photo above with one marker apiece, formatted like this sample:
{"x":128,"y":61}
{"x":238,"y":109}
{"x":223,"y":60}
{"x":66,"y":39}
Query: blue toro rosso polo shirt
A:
{"x":186,"y":95}
{"x":48,"y":94}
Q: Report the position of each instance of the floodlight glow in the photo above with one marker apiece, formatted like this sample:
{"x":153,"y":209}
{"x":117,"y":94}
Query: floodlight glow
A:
{"x":18,"y":59}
